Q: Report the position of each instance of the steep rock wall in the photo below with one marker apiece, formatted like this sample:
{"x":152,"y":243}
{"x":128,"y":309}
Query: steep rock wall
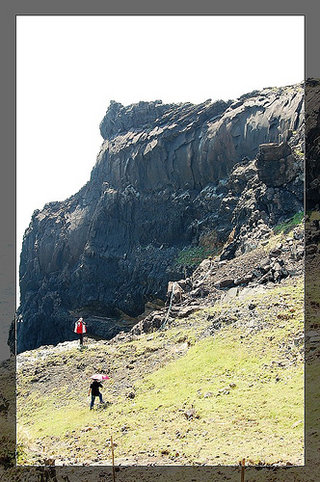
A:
{"x":165,"y":175}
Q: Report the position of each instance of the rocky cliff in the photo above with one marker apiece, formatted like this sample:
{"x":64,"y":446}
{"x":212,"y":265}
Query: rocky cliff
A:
{"x":170,"y":179}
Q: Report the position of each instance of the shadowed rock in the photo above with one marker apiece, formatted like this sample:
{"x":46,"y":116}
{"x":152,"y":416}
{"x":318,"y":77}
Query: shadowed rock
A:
{"x":276,"y":165}
{"x":166,"y":176}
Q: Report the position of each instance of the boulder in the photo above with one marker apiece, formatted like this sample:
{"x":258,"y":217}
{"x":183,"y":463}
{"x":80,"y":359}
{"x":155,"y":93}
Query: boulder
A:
{"x":243,"y":280}
{"x":311,"y":249}
{"x":273,"y":151}
{"x":275,"y":164}
{"x":224,"y":283}
{"x":190,"y":414}
{"x":187,"y":311}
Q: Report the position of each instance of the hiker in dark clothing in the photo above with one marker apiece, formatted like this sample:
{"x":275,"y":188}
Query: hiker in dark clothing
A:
{"x":94,"y":390}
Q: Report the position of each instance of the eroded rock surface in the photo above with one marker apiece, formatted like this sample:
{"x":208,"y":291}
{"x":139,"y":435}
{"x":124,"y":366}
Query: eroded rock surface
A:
{"x":167,"y":176}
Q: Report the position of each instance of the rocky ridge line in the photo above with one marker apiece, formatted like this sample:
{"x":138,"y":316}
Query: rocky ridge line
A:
{"x":158,"y":187}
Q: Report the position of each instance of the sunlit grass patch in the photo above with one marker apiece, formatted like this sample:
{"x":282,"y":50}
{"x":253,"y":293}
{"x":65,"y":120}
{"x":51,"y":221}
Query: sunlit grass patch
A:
{"x":287,"y":226}
{"x":245,"y":387}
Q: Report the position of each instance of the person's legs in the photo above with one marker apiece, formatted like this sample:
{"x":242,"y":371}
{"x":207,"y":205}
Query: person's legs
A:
{"x":81,"y":339}
{"x":100,"y":397}
{"x":92,"y":401}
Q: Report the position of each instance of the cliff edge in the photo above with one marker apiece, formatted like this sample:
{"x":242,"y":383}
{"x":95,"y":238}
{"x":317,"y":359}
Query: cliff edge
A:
{"x":170,"y":180}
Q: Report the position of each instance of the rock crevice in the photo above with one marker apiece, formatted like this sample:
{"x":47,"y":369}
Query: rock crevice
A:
{"x":167,"y":177}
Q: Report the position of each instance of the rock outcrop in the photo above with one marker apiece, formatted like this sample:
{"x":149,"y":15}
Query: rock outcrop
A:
{"x":227,"y":279}
{"x":167,"y":177}
{"x":312,"y":131}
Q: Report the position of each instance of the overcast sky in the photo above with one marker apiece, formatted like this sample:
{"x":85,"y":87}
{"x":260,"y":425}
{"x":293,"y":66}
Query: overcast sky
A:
{"x":69,"y":68}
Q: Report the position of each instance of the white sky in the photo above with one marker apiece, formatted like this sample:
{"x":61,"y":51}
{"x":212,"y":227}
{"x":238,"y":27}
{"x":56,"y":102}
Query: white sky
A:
{"x":70,"y":67}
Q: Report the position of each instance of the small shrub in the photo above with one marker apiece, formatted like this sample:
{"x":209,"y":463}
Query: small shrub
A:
{"x":193,"y":256}
{"x":299,"y":153}
{"x":290,"y":224}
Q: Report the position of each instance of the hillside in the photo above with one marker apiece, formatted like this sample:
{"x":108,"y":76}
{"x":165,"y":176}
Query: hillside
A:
{"x":171,"y":181}
{"x":221,"y":379}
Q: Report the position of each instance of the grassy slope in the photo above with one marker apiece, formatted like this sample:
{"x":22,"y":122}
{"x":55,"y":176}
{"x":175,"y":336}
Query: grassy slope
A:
{"x":245,"y":385}
{"x":7,"y":413}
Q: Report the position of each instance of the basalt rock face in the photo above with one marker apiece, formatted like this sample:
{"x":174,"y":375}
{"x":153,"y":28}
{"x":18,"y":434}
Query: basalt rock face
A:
{"x":312,"y":102}
{"x":167,"y":175}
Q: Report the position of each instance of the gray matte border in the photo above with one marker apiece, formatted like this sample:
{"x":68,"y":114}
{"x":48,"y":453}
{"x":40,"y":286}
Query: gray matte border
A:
{"x":7,"y":93}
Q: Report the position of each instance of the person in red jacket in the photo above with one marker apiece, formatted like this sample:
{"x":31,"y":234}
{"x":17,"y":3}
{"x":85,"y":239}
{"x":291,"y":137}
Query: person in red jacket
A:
{"x":80,"y":328}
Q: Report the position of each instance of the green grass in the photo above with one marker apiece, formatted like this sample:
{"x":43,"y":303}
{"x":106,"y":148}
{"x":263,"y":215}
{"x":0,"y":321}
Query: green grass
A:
{"x":287,"y":226}
{"x":192,"y":256}
{"x":258,"y":418}
{"x":299,"y":153}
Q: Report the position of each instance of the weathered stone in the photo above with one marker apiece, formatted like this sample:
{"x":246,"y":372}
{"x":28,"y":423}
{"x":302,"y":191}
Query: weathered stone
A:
{"x":228,"y":252}
{"x":230,"y":293}
{"x":208,"y":395}
{"x":225,"y":283}
{"x":163,"y":178}
{"x":275,"y":164}
{"x":190,"y":414}
{"x":243,"y":280}
{"x":273,"y":151}
{"x":274,"y":253}
{"x":311,"y":249}
{"x":265,"y":278}
{"x":298,"y":234}
{"x":175,"y":291}
{"x":188,"y":310}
